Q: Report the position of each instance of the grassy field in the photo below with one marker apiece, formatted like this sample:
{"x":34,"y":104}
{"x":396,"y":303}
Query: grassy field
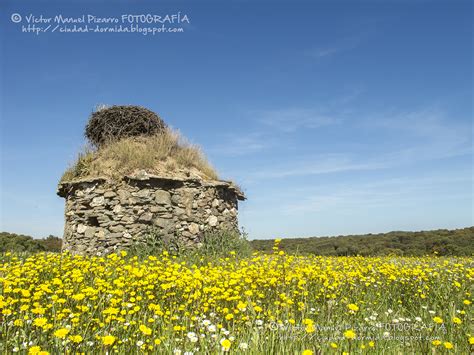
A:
{"x":263,"y":304}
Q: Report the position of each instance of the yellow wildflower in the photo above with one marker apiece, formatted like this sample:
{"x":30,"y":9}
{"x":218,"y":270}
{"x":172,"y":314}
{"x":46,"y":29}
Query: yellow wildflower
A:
{"x":350,"y":334}
{"x":225,"y":343}
{"x":145,"y":330}
{"x":448,"y":345}
{"x":76,"y":338}
{"x":108,"y":340}
{"x":61,"y":333}
{"x":353,"y":307}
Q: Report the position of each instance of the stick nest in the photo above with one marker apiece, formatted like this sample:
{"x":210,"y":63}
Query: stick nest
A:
{"x":117,"y":122}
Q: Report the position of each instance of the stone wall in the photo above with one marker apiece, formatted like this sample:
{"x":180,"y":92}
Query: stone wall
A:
{"x":102,"y":216}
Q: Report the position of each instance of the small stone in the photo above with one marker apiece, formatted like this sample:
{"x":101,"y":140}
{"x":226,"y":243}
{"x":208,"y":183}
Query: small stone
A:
{"x":123,"y":194}
{"x":193,"y":228}
{"x":127,"y":219}
{"x":117,"y":228}
{"x":178,"y":211}
{"x":163,"y":197}
{"x":114,"y":237}
{"x":176,"y":199}
{"x":134,"y":200}
{"x":109,"y":194}
{"x":117,"y":209}
{"x":142,"y":193}
{"x":81,"y":228}
{"x":155,"y":209}
{"x":146,"y":217}
{"x":89,"y":233}
{"x":165,"y":215}
{"x":215,"y":203}
{"x":163,"y":223}
{"x":212,"y":221}
{"x":97,"y":201}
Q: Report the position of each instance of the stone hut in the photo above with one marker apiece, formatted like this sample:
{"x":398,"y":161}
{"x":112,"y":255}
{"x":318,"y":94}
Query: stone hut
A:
{"x":102,"y":215}
{"x":141,"y":179}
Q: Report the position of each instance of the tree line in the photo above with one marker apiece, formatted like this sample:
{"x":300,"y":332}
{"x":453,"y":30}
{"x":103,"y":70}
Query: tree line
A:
{"x":24,"y":243}
{"x":459,"y":242}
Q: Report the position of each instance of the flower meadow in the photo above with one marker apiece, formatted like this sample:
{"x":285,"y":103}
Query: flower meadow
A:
{"x":262,"y":304}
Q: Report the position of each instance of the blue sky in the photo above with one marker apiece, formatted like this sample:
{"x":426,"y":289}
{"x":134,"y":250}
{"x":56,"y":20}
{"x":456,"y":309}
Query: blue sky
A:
{"x":336,"y":117}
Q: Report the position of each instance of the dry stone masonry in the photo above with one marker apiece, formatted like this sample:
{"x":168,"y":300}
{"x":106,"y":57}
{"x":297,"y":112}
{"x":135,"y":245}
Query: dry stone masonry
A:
{"x":102,"y":215}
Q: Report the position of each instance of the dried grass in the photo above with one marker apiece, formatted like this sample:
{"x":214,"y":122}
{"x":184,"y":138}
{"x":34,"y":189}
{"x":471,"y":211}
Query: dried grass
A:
{"x":166,"y":153}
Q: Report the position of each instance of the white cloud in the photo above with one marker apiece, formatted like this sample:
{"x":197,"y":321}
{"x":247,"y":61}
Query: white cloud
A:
{"x":293,"y":119}
{"x":321,"y":164}
{"x":242,"y":144}
{"x":340,"y":46}
{"x":429,"y":134}
{"x":412,"y":137}
{"x":379,"y":193}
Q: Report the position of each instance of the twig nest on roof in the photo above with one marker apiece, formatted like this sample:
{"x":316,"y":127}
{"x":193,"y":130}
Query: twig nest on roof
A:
{"x":117,"y":122}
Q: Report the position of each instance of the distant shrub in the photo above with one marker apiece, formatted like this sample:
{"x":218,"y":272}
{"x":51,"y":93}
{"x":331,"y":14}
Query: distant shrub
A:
{"x":113,"y":123}
{"x":24,"y":243}
{"x":52,"y":243}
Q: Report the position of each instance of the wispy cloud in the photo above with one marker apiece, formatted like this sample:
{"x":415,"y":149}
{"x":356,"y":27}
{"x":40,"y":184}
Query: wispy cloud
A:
{"x":321,"y":114}
{"x":317,"y":165}
{"x":343,"y":45}
{"x":293,"y":119}
{"x":400,"y":139}
{"x":387,"y":192}
{"x":430,"y":133}
{"x":243,"y":144}
{"x":271,"y":126}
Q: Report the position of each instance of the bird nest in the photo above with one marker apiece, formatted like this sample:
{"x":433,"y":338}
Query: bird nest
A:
{"x":117,"y":122}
